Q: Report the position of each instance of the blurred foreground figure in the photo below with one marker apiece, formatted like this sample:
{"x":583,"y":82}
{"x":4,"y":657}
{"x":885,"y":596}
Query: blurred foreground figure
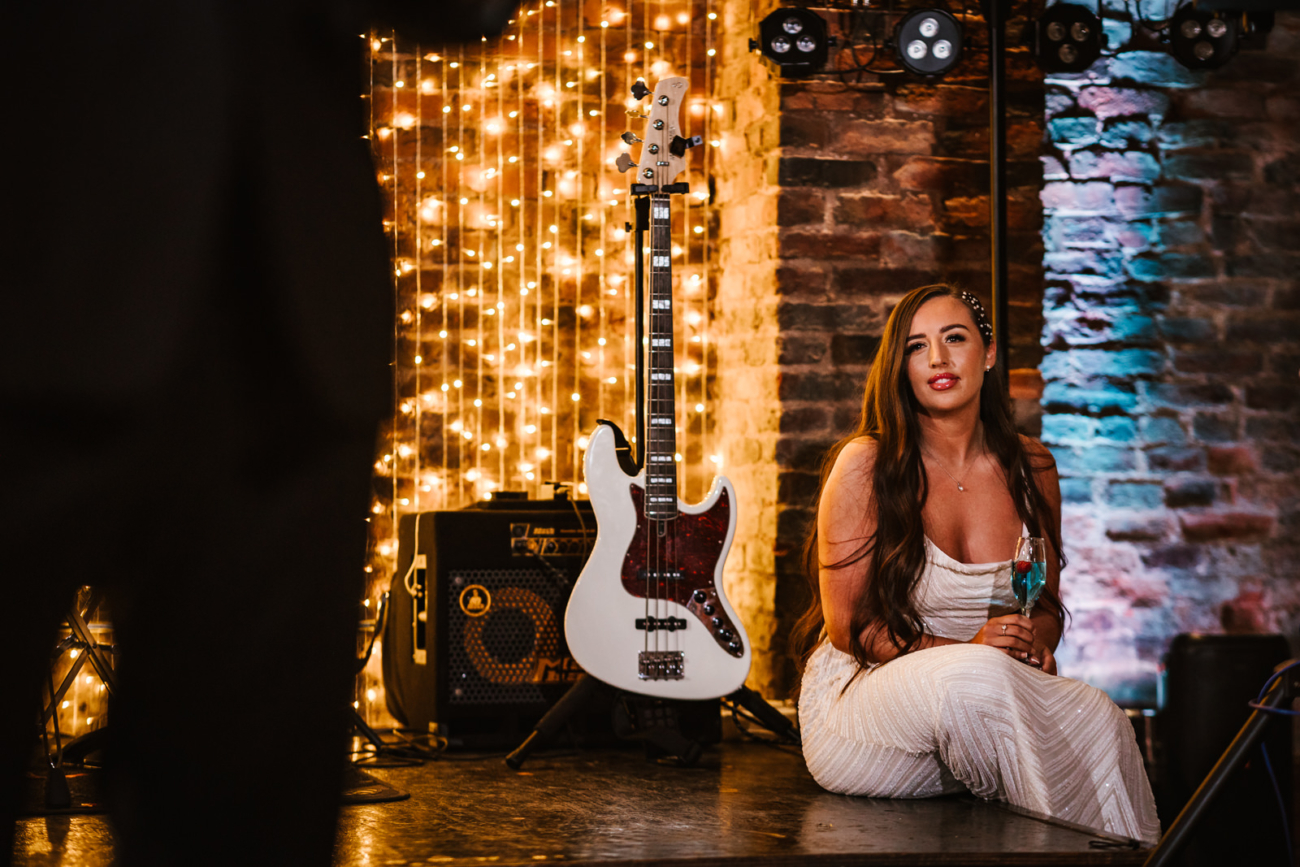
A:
{"x":194,"y":351}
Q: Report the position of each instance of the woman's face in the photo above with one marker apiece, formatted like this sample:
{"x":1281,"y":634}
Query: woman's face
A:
{"x":944,"y":355}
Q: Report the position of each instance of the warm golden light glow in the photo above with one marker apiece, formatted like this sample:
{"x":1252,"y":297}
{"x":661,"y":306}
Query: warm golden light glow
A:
{"x":514,"y":289}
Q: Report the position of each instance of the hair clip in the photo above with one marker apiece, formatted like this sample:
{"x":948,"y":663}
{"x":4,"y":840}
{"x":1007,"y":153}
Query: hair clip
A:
{"x":981,"y":321}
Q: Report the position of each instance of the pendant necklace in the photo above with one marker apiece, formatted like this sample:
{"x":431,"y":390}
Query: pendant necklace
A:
{"x":960,"y":486}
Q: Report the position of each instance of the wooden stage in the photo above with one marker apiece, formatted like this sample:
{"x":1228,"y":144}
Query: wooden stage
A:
{"x":744,"y":803}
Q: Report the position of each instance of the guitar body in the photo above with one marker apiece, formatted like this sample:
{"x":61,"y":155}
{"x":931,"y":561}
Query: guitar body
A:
{"x":648,"y":614}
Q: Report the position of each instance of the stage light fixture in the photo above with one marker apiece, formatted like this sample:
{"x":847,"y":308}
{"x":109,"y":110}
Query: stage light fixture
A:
{"x":1068,"y":38}
{"x":928,"y":42}
{"x":1202,"y":39}
{"x":795,"y":40}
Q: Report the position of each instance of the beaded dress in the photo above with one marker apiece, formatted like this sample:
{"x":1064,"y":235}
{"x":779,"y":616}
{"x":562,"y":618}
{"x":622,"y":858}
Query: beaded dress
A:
{"x":970,"y":717}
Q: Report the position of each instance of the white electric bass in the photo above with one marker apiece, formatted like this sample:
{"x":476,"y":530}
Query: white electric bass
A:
{"x":648,"y":614}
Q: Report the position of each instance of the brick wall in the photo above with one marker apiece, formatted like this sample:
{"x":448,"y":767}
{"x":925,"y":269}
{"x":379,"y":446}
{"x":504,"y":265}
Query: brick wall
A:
{"x":1173,"y":335}
{"x":843,"y":194}
{"x":747,"y":336}
{"x":1153,"y":260}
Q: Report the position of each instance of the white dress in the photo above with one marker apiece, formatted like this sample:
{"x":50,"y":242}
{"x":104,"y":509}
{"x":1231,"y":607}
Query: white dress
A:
{"x":969,"y":717}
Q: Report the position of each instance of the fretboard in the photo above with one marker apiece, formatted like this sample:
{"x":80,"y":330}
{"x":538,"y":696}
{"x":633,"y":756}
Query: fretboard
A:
{"x":661,"y":438}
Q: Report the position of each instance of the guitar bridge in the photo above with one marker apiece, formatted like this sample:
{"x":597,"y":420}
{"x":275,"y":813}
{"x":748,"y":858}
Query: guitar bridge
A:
{"x":660,"y":665}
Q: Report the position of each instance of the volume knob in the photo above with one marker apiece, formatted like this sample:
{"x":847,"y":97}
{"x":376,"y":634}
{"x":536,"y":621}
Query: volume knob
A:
{"x":700,"y":596}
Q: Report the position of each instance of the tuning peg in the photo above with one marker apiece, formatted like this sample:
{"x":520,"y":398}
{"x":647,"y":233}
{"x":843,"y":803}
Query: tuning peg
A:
{"x":639,"y":90}
{"x":629,"y":137}
{"x":624,"y":162}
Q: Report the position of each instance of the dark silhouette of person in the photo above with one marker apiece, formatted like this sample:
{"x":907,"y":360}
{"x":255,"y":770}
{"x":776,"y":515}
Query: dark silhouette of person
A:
{"x":194,"y":353}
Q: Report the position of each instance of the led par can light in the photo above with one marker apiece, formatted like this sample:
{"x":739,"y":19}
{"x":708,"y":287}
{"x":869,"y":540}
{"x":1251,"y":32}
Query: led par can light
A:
{"x":928,"y":42}
{"x":1068,"y":38}
{"x":794,"y":39}
{"x":1201,"y":39}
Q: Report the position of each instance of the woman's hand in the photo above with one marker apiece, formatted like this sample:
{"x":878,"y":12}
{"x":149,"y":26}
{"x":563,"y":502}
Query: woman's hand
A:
{"x":1013,"y":634}
{"x":1043,"y":658}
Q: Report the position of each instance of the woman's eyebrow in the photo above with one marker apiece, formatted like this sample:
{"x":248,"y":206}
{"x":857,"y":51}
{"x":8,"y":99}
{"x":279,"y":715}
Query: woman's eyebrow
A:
{"x":942,"y":330}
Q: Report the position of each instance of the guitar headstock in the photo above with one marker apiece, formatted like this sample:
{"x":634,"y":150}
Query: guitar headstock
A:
{"x":660,"y":161}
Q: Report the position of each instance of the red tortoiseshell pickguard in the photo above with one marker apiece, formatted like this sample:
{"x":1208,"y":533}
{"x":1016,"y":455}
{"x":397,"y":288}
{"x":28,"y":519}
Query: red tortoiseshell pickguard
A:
{"x":691,"y":547}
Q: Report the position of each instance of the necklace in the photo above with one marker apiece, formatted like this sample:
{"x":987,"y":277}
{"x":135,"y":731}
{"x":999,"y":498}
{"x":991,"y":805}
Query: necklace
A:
{"x":961,"y":487}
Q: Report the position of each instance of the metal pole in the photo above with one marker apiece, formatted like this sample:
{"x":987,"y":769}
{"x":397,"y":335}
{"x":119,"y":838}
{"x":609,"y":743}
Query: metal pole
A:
{"x":995,"y":16}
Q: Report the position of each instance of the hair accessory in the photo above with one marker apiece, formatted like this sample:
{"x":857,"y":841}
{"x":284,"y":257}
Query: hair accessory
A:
{"x":981,"y":320}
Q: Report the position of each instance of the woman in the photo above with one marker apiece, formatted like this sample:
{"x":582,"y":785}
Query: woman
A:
{"x":920,"y":677}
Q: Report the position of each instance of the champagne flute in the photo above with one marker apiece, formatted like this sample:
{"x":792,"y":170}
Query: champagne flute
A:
{"x":1029,"y":572}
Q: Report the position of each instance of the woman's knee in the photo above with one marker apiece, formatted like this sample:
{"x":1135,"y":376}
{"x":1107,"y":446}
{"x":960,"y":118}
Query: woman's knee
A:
{"x":962,"y":664}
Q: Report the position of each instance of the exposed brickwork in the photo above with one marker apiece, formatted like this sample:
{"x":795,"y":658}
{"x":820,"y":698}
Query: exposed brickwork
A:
{"x":838,"y":197}
{"x":1171,"y":393}
{"x":1169,"y":312}
{"x":749,"y":335}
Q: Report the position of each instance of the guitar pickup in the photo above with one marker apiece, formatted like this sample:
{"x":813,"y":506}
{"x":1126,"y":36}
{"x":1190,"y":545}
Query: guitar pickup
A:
{"x":659,"y":575}
{"x":660,"y":665}
{"x":662,"y":624}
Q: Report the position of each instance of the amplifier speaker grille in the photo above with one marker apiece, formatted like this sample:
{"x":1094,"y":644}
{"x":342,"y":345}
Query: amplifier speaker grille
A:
{"x":511,"y":648}
{"x":474,"y":643}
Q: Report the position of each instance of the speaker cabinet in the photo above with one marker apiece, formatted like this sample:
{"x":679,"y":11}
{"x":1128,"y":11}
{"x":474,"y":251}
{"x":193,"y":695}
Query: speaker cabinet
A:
{"x":474,"y":645}
{"x":1208,"y":681}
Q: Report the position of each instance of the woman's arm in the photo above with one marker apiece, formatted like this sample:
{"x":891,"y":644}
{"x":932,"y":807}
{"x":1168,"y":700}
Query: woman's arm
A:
{"x":846,"y":519}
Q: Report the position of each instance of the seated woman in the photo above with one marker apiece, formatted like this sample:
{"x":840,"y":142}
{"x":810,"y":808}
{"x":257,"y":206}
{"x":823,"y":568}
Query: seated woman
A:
{"x":920,"y":677}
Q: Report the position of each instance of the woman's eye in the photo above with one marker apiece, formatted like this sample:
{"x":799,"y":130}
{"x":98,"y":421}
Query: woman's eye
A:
{"x":956,"y":338}
{"x":912,"y":347}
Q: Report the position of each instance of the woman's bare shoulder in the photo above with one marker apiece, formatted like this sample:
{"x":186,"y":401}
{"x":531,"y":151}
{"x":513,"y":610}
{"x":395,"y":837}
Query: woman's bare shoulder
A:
{"x":858,"y":456}
{"x":849,"y":484}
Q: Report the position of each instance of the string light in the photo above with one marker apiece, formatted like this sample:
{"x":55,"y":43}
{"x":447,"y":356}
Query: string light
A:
{"x":511,"y":225}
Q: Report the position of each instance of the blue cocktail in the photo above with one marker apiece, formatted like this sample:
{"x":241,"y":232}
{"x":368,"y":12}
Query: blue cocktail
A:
{"x":1028,"y":572}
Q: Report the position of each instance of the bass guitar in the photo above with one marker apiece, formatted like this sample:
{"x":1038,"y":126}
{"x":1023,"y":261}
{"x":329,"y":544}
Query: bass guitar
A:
{"x":648,"y":613}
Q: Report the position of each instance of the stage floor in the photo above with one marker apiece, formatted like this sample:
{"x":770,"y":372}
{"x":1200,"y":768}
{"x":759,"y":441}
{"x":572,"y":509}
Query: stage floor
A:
{"x":744,"y":803}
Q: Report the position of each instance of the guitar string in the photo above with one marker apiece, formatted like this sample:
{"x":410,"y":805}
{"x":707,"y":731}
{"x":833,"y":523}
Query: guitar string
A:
{"x":656,"y":401}
{"x":664,"y":232}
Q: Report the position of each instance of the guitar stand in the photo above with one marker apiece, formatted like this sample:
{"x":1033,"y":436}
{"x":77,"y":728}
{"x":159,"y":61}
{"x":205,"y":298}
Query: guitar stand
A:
{"x":1284,"y":689}
{"x":638,"y":717}
{"x":653,"y":724}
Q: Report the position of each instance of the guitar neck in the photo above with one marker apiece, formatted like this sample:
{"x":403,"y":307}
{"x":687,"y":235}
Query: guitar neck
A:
{"x":661,"y":444}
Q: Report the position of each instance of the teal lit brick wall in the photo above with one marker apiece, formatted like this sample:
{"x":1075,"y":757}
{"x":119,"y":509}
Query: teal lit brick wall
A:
{"x":1172,"y":344}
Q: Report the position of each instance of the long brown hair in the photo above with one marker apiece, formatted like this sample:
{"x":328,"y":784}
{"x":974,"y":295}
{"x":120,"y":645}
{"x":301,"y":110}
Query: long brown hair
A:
{"x":897,"y":547}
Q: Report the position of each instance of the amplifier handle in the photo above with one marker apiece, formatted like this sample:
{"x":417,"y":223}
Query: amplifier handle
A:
{"x":408,"y":578}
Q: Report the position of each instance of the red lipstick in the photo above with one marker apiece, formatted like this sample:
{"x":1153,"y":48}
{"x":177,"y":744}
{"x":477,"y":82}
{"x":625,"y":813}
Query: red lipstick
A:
{"x":943,"y":381}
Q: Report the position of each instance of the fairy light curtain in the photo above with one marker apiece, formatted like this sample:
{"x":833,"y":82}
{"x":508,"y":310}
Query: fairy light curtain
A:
{"x":515,"y":291}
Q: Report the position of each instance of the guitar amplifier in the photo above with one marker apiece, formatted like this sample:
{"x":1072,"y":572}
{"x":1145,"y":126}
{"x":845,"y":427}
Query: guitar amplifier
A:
{"x":474,"y":645}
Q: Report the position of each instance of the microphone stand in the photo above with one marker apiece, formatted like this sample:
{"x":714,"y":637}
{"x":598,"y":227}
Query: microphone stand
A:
{"x":995,"y":14}
{"x":642,"y":205}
